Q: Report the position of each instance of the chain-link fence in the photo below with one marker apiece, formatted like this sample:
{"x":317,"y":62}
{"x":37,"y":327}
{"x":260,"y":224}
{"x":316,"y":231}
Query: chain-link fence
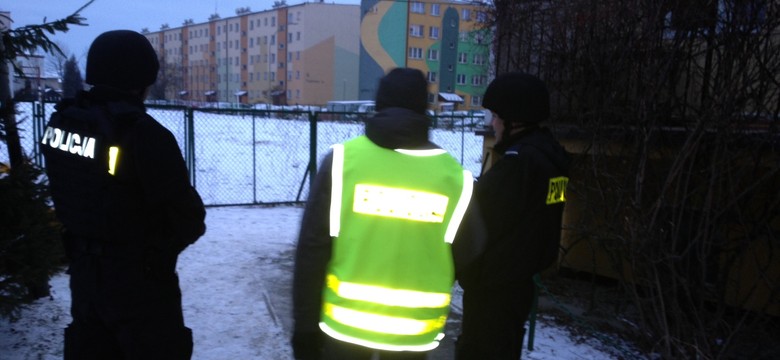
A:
{"x":246,"y":156}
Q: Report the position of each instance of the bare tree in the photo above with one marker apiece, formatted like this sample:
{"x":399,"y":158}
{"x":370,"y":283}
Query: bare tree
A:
{"x":677,"y":182}
{"x":72,"y":82}
{"x":169,"y":82}
{"x":55,"y":61}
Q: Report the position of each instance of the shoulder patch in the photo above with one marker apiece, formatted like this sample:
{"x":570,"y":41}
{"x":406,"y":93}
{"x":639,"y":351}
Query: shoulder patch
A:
{"x":556,"y":192}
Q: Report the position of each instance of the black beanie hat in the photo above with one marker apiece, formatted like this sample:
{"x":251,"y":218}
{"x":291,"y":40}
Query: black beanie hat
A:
{"x":518,"y":97}
{"x":122,"y":59}
{"x":404,"y":88}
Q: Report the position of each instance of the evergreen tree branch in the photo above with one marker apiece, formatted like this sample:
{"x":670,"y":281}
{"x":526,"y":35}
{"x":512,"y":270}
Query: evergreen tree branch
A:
{"x":27,"y":39}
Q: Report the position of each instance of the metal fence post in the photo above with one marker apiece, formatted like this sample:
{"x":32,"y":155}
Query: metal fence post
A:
{"x":38,"y":123}
{"x":532,"y":317}
{"x":312,"y":148}
{"x":254,"y":159}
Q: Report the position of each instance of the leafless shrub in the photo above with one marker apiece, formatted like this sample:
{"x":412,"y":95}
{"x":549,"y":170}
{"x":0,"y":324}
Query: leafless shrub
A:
{"x":677,"y":181}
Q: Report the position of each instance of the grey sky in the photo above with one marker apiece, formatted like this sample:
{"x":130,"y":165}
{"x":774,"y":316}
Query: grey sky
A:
{"x":104,"y":15}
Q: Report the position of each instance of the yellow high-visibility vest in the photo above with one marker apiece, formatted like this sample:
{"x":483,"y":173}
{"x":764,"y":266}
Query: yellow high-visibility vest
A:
{"x":394,"y":214}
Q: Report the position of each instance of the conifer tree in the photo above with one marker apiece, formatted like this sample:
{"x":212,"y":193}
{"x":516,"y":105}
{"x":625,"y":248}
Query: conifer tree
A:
{"x":72,"y":82}
{"x":30,"y":246}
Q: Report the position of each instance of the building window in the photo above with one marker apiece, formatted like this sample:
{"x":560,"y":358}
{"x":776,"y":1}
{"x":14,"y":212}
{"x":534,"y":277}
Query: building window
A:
{"x":297,"y":55}
{"x":273,"y":20}
{"x":289,"y":38}
{"x":433,"y":32}
{"x":435,"y":9}
{"x":431,"y":77}
{"x":416,"y":30}
{"x":418,"y":7}
{"x":289,"y":75}
{"x":433,"y":54}
{"x":460,"y":79}
{"x":463,"y":36}
{"x":415,"y":53}
{"x":479,"y":59}
{"x":479,"y":38}
{"x":289,"y":57}
{"x":476,"y":100}
{"x":466,"y":15}
{"x":463,"y":58}
{"x":478,"y":80}
{"x":273,"y":39}
{"x":481,"y":16}
{"x":297,"y":35}
{"x":297,"y":75}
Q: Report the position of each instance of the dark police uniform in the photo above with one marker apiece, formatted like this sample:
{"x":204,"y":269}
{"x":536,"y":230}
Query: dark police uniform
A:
{"x":522,"y":197}
{"x":121,"y":189}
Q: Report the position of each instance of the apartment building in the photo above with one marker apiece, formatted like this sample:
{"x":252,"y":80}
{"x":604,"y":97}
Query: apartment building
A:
{"x":297,"y":54}
{"x":445,"y":39}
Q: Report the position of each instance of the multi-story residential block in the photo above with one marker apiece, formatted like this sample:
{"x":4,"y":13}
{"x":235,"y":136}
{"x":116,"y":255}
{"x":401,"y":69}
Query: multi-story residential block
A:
{"x":446,"y":39}
{"x":297,"y":54}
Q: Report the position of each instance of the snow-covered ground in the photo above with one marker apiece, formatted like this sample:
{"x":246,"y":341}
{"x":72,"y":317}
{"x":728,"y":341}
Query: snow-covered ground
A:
{"x":236,"y":283}
{"x":236,"y":280}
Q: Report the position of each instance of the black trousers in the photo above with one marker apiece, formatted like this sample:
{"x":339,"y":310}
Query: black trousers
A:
{"x":338,"y":350}
{"x":493,"y":323}
{"x":125,"y":310}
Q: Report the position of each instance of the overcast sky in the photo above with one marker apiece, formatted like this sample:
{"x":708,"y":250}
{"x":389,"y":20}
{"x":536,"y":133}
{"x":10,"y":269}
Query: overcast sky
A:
{"x":104,"y":15}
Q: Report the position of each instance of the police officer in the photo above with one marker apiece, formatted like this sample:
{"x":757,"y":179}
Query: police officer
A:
{"x":121,"y":190}
{"x":521,"y":198}
{"x":374,"y":264}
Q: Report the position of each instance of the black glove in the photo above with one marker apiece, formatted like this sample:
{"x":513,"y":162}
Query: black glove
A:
{"x":307,"y":345}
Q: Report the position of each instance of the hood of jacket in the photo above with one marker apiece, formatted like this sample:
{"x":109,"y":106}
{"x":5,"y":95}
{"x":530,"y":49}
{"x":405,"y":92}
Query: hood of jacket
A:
{"x":399,"y":128}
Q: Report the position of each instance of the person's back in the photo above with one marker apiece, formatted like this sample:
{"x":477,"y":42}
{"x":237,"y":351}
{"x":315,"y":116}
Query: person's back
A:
{"x":374,"y":266}
{"x":120,"y":187}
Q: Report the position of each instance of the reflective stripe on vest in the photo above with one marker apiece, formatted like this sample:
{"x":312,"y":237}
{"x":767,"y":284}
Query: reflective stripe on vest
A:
{"x":337,"y":188}
{"x":395,"y":218}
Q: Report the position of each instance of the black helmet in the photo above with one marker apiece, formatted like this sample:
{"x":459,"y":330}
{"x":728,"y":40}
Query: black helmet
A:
{"x":518,"y":97}
{"x":122,"y":59}
{"x":404,"y":88}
